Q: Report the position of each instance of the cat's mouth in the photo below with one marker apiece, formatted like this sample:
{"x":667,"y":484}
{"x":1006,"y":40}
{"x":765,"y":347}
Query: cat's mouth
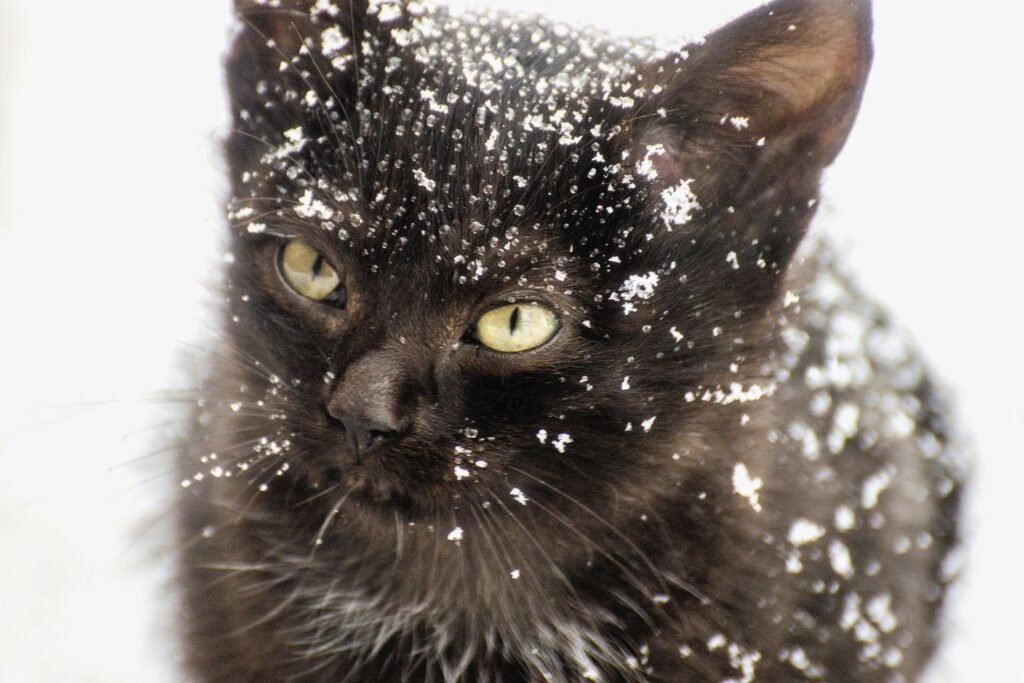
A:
{"x":362,"y":484}
{"x":405,"y":480}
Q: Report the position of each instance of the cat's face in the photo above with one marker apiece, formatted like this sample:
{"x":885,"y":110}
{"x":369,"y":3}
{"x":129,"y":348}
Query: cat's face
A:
{"x":493,"y":265}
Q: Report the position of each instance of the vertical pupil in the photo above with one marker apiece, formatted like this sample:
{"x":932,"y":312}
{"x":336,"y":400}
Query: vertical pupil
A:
{"x":513,"y":321}
{"x":317,"y":265}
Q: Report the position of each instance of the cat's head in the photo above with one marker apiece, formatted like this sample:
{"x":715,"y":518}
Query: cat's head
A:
{"x":489,"y":262}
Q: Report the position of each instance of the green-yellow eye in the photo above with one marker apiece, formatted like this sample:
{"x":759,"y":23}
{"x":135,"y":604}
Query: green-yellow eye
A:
{"x":308,"y":273}
{"x":516,"y":327}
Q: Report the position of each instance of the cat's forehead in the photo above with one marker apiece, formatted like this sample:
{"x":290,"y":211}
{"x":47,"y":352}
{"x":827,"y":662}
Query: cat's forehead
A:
{"x":473,"y":154}
{"x":449,"y":119}
{"x":523,"y":57}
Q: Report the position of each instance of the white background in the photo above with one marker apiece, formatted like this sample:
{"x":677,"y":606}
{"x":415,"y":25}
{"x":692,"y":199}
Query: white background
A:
{"x":111,"y":113}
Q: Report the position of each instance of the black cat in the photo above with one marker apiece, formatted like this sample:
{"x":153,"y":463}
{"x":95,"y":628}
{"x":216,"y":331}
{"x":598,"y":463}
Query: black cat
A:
{"x":529,"y":374}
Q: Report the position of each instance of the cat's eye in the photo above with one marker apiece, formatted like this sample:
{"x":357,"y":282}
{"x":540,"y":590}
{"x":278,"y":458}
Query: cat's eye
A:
{"x":307,"y":272}
{"x":516,"y":327}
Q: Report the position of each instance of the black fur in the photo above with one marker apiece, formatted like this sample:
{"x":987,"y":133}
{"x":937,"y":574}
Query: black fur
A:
{"x":785,"y":514}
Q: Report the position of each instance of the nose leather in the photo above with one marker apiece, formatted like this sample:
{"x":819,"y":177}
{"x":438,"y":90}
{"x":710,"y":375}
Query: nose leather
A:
{"x":366,"y":402}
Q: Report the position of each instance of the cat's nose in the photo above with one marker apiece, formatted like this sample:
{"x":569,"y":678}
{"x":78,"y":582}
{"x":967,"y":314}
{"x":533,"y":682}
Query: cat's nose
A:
{"x":361,"y":435}
{"x":366,"y":402}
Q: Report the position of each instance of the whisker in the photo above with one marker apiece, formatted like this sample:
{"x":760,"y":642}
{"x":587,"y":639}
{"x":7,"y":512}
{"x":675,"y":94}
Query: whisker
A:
{"x":556,"y":570}
{"x":319,"y":539}
{"x":325,"y":112}
{"x":628,"y":572}
{"x":643,"y":557}
{"x":242,"y":359}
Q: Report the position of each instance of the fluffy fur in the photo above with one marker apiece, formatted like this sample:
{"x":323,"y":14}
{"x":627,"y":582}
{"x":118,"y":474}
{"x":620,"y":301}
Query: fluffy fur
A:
{"x":724,"y":465}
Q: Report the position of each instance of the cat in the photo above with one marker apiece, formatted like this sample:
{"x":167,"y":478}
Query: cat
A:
{"x":530,"y":372}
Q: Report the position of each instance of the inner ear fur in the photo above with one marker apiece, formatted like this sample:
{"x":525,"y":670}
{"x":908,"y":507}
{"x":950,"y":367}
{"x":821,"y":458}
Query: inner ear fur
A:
{"x":794,"y":66}
{"x":748,"y":120}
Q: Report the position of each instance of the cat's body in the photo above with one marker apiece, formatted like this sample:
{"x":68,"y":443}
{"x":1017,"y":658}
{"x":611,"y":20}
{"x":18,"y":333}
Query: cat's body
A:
{"x":721,"y":464}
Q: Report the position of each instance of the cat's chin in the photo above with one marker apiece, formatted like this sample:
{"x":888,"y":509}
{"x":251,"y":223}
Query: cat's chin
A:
{"x":377,"y":492}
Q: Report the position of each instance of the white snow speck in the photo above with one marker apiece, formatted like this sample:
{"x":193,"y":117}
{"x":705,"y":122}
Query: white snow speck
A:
{"x":423,"y":181}
{"x":845,"y":423}
{"x":737,"y":394}
{"x":492,"y":141}
{"x":542,"y":435}
{"x":308,"y":207}
{"x":327,"y":6}
{"x":839,"y":557}
{"x":455,"y":534}
{"x":680,"y":203}
{"x":332,"y":41}
{"x":875,"y":485}
{"x":794,"y":565}
{"x":879,"y":610}
{"x":798,"y":658}
{"x":636,"y":287}
{"x":519,"y":496}
{"x":648,"y":423}
{"x":804,"y":531}
{"x":845,"y":519}
{"x":740,"y":122}
{"x":900,"y":425}
{"x":387,"y":11}
{"x":561,"y":442}
{"x":746,"y":486}
{"x":645,"y":167}
{"x":807,"y":438}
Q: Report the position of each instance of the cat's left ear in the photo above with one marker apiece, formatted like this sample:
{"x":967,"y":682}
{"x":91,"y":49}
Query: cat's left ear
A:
{"x":767,"y":100}
{"x":286,"y":23}
{"x":279,"y":62}
{"x":290,"y":23}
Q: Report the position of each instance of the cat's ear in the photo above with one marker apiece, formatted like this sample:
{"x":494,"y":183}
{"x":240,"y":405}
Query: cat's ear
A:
{"x":777,"y":90}
{"x":283,"y":25}
{"x":289,"y":61}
